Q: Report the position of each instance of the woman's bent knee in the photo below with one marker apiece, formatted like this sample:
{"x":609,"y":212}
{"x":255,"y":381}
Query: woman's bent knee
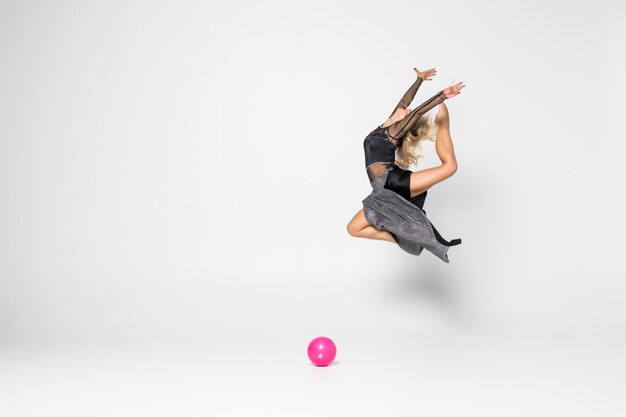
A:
{"x":453,"y":166}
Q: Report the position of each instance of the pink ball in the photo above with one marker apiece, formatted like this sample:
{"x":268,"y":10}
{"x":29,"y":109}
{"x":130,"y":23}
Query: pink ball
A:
{"x":322,"y":351}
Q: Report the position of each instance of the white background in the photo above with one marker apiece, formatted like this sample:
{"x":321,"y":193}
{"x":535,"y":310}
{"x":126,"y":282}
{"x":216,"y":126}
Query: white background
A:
{"x":176,"y":179}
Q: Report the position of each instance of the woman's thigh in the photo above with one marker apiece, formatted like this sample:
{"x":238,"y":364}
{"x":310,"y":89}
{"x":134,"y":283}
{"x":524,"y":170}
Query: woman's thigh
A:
{"x":399,"y":181}
{"x":422,"y":180}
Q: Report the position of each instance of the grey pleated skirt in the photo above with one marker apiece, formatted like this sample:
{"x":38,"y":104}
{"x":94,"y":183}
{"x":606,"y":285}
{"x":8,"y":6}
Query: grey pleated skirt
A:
{"x":407,"y":223}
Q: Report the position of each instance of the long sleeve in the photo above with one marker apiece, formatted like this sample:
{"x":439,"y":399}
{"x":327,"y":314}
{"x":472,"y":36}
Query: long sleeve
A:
{"x":407,"y":98}
{"x":400,"y":128}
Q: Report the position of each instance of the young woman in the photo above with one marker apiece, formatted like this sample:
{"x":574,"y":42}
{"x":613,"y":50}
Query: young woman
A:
{"x":394,"y":210}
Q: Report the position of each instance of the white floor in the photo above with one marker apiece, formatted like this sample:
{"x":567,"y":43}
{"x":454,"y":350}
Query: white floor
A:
{"x":387,"y":376}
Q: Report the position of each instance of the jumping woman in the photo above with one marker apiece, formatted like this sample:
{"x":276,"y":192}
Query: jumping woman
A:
{"x":394,"y":209}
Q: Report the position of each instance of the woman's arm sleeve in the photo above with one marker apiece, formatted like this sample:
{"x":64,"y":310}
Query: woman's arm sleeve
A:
{"x":407,"y":98}
{"x":401,"y":127}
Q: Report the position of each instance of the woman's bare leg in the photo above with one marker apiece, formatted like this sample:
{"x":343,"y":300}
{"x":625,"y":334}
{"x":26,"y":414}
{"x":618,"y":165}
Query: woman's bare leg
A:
{"x":424,"y":179}
{"x":443,"y":143}
{"x":360,"y":227}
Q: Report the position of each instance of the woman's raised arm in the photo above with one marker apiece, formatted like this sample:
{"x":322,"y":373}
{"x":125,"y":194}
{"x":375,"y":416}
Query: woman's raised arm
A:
{"x":407,"y":98}
{"x":401,"y":127}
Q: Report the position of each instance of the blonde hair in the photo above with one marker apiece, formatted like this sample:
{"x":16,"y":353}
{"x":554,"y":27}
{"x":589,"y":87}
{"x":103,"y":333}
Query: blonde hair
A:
{"x":410,"y":152}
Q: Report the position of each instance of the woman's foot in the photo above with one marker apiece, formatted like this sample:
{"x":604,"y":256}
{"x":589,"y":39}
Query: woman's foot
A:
{"x":442,"y":117}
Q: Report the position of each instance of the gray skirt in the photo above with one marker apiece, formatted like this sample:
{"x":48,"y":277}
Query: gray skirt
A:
{"x":407,"y":223}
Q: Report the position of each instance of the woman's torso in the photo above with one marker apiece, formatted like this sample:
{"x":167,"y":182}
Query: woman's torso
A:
{"x":380,"y":152}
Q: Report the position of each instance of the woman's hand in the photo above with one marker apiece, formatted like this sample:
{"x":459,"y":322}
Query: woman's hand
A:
{"x":426,"y":75}
{"x":453,"y":90}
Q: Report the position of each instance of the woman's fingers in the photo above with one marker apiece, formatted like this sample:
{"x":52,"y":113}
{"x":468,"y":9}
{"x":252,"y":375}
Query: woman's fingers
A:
{"x":426,"y":74}
{"x":458,"y":86}
{"x":426,"y":71}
